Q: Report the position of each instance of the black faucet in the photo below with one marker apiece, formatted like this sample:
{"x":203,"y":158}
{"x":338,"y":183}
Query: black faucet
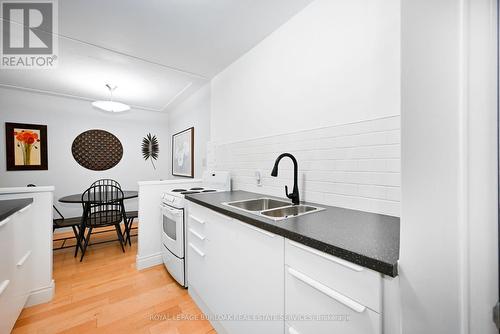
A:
{"x":294,"y":196}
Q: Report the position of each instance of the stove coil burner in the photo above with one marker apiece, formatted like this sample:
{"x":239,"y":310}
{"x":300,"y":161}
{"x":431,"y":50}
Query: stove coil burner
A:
{"x":208,"y":191}
{"x":178,"y":190}
{"x":196,"y":188}
{"x":189,"y":192}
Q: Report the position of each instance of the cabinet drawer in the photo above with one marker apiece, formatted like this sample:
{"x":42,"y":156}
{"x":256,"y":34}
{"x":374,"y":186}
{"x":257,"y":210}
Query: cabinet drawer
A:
{"x":360,"y":284}
{"x":22,"y":234}
{"x":202,"y":215}
{"x":196,"y":237}
{"x":313,"y":308}
{"x":22,"y":279}
{"x":6,"y":248}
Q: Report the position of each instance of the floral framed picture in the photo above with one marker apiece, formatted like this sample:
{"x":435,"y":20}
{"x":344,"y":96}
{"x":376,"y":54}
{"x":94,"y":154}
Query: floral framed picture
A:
{"x":26,"y":146}
{"x":183,"y":153}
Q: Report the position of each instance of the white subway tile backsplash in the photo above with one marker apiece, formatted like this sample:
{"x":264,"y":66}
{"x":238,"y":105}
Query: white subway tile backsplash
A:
{"x":356,"y":165}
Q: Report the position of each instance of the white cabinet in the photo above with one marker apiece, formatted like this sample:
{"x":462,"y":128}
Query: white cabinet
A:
{"x":15,"y":267}
{"x":237,"y":270}
{"x":325,"y":294}
{"x":198,"y":270}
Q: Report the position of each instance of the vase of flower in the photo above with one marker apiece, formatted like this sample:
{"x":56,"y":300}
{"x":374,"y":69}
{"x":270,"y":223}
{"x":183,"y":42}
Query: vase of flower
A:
{"x":27,"y":140}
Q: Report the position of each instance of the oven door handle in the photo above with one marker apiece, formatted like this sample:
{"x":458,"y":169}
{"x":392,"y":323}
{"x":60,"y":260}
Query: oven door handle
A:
{"x":175,"y":212}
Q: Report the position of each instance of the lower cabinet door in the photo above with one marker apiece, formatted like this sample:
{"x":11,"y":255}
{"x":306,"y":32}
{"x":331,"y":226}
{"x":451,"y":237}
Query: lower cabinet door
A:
{"x":314,"y":308}
{"x":246,"y":265}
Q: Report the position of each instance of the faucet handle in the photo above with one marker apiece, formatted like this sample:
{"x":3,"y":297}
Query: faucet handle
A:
{"x":286,"y":192}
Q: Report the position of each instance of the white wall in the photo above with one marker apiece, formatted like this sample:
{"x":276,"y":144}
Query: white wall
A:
{"x":482,"y":186}
{"x":326,"y":87}
{"x":448,"y":263}
{"x":335,"y":62}
{"x":429,"y":265}
{"x":66,"y":118}
{"x":194,"y":111}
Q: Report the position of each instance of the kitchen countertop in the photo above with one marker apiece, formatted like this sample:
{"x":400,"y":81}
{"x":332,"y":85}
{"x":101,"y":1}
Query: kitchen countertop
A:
{"x":368,"y":239}
{"x":10,"y":206}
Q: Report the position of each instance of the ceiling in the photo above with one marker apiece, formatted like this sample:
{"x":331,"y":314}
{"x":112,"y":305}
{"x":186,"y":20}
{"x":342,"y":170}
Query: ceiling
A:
{"x":157,"y":52}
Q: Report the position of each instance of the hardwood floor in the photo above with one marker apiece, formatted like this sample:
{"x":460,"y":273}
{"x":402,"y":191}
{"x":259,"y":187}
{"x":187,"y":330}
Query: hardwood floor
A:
{"x":106,"y":294}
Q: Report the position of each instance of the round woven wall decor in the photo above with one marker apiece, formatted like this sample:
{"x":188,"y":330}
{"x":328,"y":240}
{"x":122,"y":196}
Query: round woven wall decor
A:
{"x":97,"y":150}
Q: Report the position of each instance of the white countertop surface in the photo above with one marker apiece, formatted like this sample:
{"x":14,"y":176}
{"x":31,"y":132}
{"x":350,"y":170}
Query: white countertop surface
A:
{"x":20,"y":190}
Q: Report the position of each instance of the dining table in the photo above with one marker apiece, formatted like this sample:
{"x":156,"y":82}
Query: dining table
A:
{"x":79,"y":198}
{"x":85,"y":201}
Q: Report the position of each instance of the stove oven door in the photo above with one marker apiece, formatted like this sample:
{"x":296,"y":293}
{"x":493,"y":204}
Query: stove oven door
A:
{"x":172,"y":236}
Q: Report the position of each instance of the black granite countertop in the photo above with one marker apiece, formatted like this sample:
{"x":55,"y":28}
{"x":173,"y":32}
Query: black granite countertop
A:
{"x":10,"y":206}
{"x":367,"y":239}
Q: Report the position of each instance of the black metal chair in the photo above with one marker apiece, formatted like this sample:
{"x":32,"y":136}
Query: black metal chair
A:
{"x":103,"y":207}
{"x":131,"y":215}
{"x":106,"y":182}
{"x":63,"y":222}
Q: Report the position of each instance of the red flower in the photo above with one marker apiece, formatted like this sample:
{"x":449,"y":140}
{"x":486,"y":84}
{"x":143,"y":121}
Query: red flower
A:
{"x":28,"y":137}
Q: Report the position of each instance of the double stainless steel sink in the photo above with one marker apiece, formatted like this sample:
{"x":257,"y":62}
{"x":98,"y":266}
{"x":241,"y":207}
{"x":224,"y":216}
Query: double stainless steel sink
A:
{"x":272,"y":208}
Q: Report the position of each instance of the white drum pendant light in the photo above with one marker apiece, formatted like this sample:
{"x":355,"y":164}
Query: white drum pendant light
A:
{"x":111,"y":106}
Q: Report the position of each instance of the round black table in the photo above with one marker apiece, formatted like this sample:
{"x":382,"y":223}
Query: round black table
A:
{"x":77,"y":198}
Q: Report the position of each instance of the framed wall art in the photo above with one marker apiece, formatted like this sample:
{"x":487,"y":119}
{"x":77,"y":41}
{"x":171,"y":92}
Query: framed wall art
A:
{"x":26,"y":146}
{"x":183,"y":153}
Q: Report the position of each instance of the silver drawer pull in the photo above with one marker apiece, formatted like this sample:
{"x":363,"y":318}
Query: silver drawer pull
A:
{"x":196,"y":234}
{"x":4,"y":286}
{"x":328,"y":257}
{"x":292,"y":330}
{"x":5,"y":221}
{"x":327,"y":291}
{"x":196,"y":250}
{"x":199,"y":221}
{"x":25,"y":208}
{"x":24,"y":259}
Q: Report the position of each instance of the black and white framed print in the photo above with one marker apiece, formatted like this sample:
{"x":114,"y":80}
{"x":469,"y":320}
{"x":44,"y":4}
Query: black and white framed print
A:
{"x":183,"y":153}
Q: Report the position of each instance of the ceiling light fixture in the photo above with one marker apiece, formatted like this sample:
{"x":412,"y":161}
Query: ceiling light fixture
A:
{"x":111,"y":106}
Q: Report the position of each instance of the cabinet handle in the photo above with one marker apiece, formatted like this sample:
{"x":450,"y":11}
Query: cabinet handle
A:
{"x":327,"y":291}
{"x":25,"y":208}
{"x":196,"y":234}
{"x":4,"y":286}
{"x":5,"y":221}
{"x":23,"y":259}
{"x":292,"y":330}
{"x":328,"y":257}
{"x":269,"y":234}
{"x":197,"y":251}
{"x":199,"y":221}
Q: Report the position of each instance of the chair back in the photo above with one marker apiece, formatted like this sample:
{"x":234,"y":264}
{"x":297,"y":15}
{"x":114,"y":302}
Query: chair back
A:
{"x":106,"y":182}
{"x":103,"y":206}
